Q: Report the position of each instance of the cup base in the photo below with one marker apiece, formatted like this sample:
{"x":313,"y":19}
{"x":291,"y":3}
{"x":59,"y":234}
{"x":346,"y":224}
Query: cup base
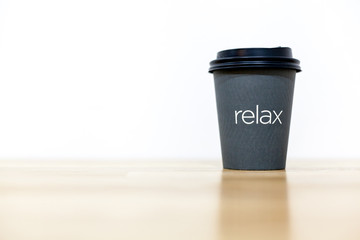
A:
{"x":254,"y":169}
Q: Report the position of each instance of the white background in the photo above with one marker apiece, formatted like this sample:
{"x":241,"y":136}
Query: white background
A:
{"x":128,"y":79}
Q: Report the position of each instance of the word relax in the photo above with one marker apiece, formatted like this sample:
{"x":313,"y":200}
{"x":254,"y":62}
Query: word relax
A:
{"x":249,"y":117}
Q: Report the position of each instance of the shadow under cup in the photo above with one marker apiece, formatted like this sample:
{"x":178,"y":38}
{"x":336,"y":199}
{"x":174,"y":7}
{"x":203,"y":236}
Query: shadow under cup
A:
{"x":254,"y":94}
{"x":254,"y":205}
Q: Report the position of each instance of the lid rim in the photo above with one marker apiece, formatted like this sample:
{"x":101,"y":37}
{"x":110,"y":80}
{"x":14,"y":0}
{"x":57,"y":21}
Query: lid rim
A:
{"x":260,"y":65}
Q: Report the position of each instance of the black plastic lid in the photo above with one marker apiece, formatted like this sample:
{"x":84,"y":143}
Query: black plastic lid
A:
{"x":280,"y":57}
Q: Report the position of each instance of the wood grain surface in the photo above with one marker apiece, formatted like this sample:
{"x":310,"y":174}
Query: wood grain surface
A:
{"x":177,"y":200}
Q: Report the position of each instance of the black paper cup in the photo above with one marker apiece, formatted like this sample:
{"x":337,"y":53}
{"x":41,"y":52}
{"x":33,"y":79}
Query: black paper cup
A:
{"x":254,"y":93}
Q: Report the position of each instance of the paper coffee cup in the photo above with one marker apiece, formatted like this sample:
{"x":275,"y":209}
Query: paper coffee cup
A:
{"x":254,"y":93}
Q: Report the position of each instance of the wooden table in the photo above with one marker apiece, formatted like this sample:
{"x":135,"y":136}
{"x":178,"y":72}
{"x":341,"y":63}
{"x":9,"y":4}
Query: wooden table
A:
{"x":177,"y":200}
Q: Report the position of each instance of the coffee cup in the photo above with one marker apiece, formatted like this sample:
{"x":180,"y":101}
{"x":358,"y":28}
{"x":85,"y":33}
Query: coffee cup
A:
{"x":254,"y":94}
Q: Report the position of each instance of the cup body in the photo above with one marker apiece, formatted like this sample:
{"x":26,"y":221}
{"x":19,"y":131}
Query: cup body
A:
{"x":254,"y":111}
